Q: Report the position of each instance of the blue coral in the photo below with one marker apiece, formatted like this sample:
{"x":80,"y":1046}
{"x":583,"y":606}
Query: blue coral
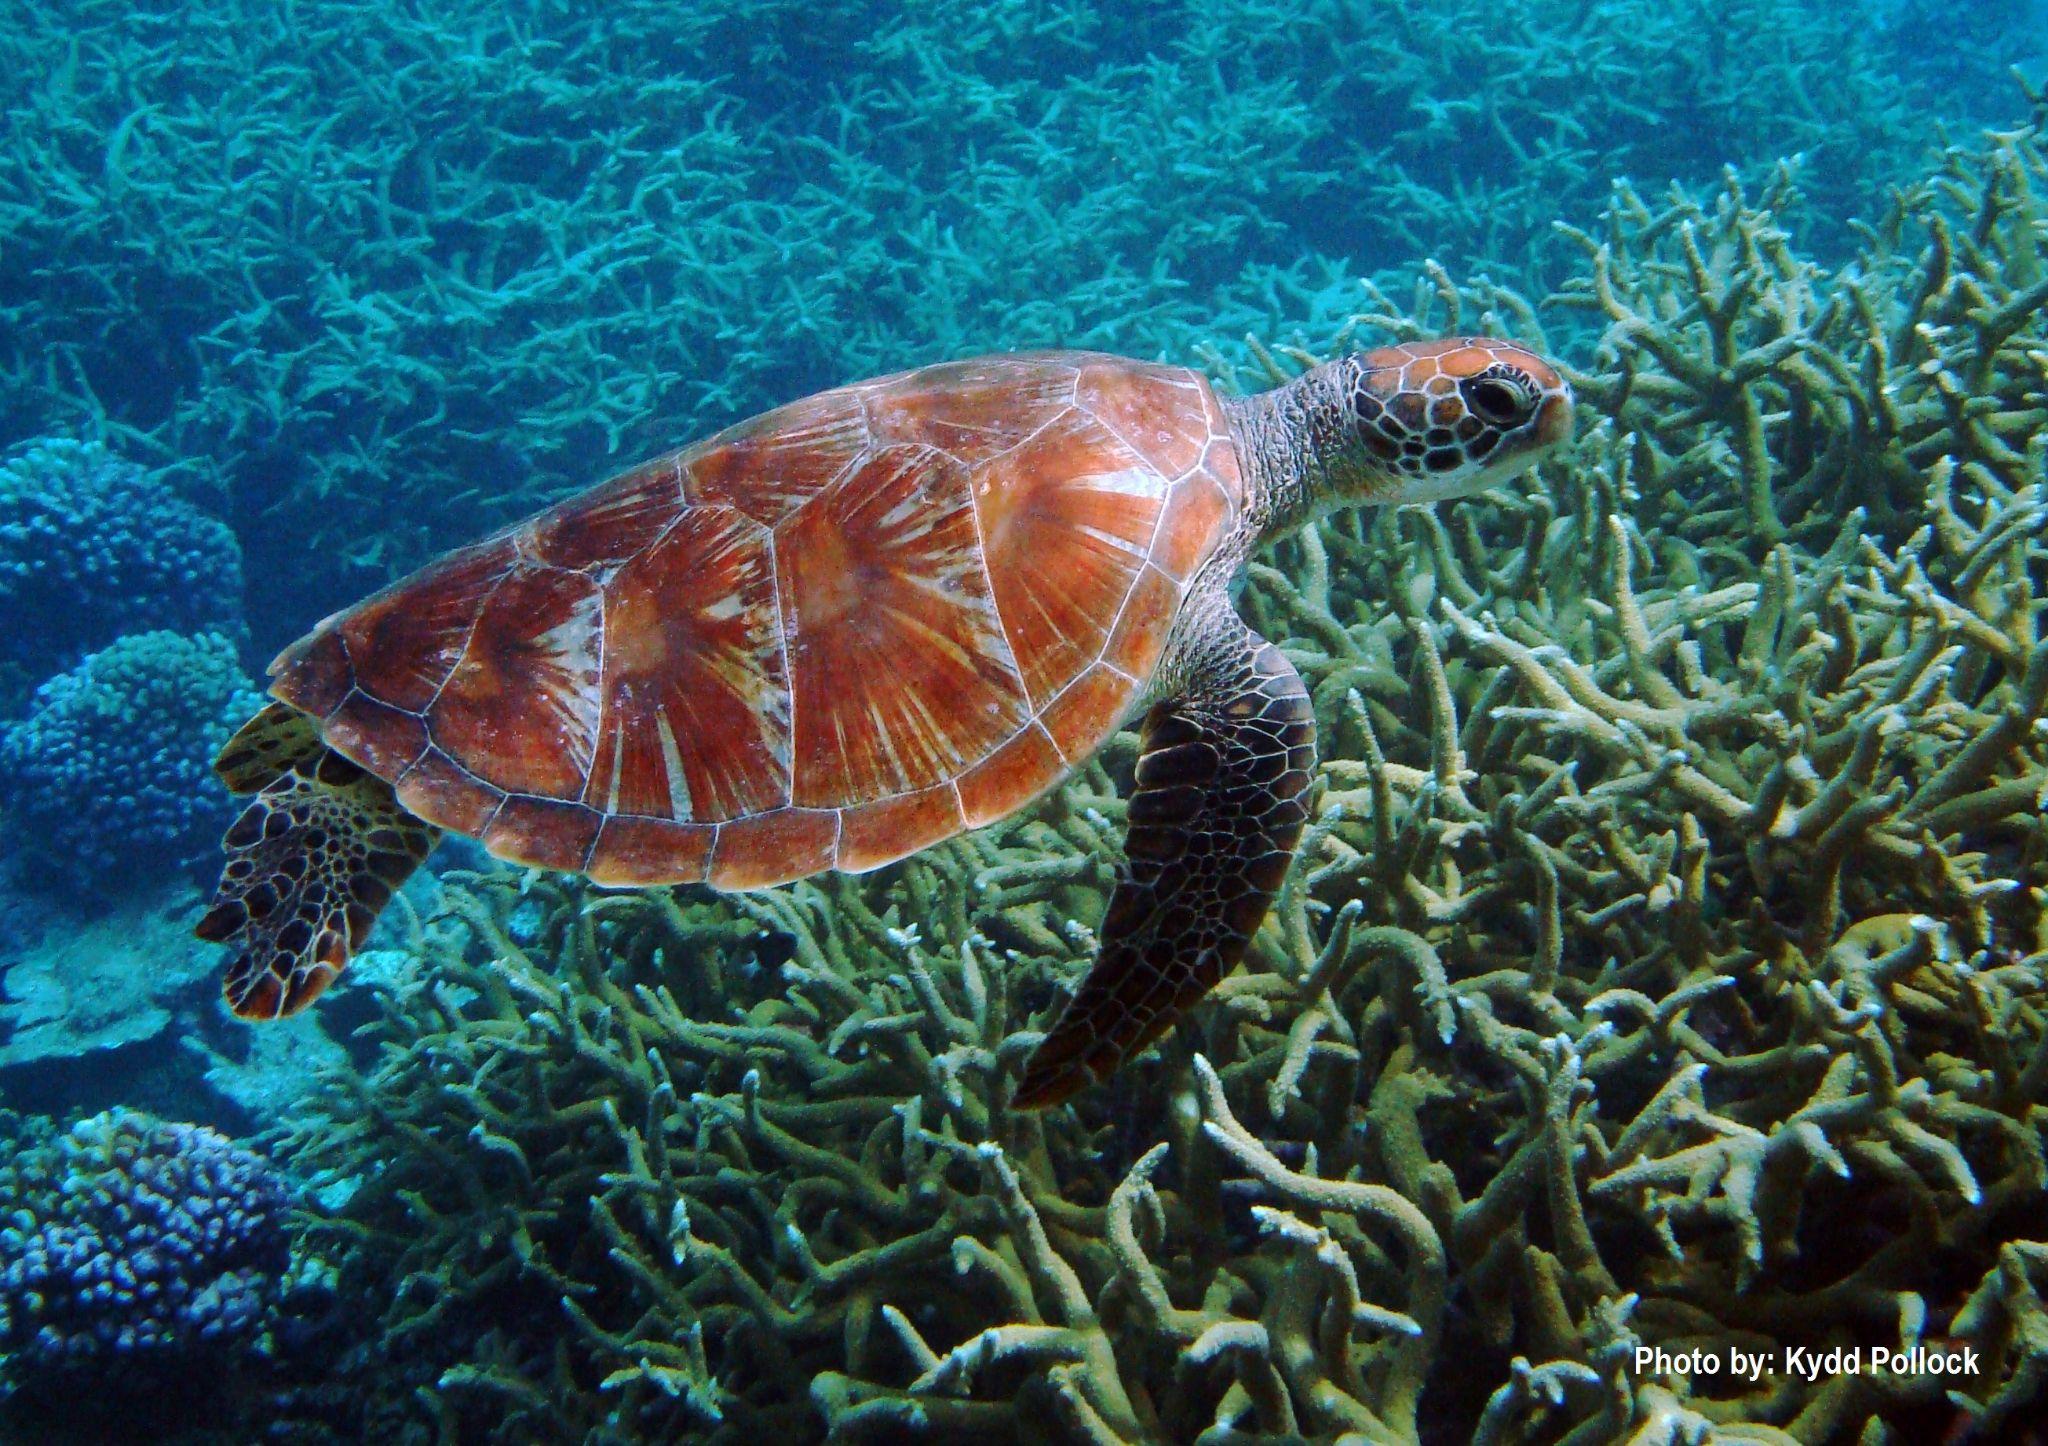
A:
{"x":133,"y":1243}
{"x":111,"y":769}
{"x":90,"y":544}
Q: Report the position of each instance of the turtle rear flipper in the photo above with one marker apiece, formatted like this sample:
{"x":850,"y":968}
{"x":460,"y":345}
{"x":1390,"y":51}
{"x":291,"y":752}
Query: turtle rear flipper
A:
{"x":311,"y":863}
{"x":266,"y":746}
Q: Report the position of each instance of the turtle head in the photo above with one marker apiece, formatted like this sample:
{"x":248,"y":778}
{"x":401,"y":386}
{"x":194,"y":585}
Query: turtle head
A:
{"x":1423,"y":421}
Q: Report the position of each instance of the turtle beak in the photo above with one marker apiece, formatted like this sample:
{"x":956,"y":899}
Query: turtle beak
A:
{"x":1554,"y":421}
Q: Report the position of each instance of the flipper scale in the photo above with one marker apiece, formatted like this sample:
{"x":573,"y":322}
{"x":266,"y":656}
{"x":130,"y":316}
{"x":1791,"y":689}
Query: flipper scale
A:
{"x":265,"y":747}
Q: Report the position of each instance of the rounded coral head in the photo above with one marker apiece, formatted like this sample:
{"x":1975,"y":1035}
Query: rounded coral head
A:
{"x":1436,"y":419}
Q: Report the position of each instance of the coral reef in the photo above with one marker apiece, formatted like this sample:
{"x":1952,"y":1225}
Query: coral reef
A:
{"x":90,"y":546}
{"x":1665,"y":966}
{"x":1665,"y":962}
{"x":133,"y":1247}
{"x":107,"y":777}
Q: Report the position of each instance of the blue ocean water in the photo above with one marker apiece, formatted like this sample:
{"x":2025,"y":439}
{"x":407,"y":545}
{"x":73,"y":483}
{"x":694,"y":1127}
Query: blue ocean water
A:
{"x":298,"y":295}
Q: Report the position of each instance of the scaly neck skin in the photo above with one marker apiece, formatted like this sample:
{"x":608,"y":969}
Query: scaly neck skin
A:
{"x":1292,"y":445}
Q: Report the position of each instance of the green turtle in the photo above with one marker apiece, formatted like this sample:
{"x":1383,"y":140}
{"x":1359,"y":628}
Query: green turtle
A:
{"x":849,"y":628}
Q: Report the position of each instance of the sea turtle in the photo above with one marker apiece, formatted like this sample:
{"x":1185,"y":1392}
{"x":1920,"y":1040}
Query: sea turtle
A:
{"x":852,"y":627}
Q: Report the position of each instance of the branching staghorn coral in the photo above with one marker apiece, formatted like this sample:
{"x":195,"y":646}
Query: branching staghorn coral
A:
{"x":765,"y":1151}
{"x":1664,"y":967}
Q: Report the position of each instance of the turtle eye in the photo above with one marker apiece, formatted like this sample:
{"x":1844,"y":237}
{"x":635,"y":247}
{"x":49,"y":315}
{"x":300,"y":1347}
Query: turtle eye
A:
{"x":1499,"y":401}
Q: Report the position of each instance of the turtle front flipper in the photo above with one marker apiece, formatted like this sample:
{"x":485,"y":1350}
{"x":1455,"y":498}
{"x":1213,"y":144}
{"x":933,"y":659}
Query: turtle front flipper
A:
{"x":311,"y":862}
{"x":1218,"y":809}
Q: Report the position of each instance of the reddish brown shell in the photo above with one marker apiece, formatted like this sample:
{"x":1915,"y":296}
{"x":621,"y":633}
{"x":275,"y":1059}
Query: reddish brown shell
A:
{"x":824,"y":638}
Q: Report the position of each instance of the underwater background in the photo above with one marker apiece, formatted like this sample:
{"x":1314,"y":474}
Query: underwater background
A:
{"x":1665,"y":963}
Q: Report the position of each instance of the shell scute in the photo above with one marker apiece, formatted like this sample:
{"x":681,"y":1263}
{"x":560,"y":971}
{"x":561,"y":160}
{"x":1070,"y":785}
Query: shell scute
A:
{"x":520,"y":706}
{"x":771,"y":465}
{"x":1198,"y":514}
{"x":1067,"y":519}
{"x":1088,"y":711}
{"x":773,"y":848}
{"x":637,"y":852}
{"x":314,"y":674}
{"x":881,"y":833}
{"x":543,"y":833}
{"x":612,"y":521}
{"x":970,"y":410}
{"x":900,"y":672}
{"x":1140,"y":634}
{"x":1165,"y":414}
{"x":695,"y":719}
{"x":1010,"y":777}
{"x":404,"y":641}
{"x":441,"y":791}
{"x":383,"y":739}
